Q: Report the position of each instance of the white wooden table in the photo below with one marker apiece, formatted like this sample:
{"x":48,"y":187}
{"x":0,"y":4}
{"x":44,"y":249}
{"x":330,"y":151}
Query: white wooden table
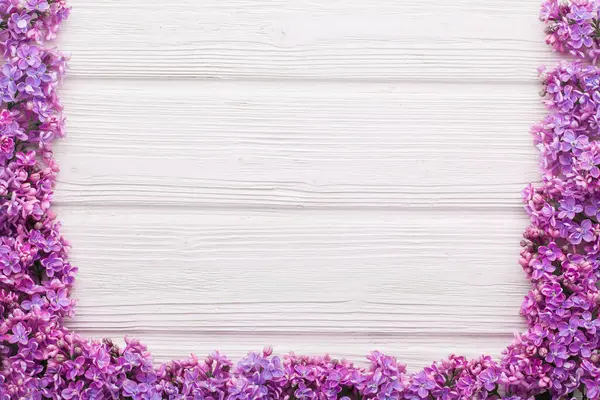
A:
{"x":321,"y":176}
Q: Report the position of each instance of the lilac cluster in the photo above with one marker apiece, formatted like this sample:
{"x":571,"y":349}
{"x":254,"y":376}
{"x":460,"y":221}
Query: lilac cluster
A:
{"x":573,"y":27}
{"x":76,"y":369}
{"x":35,"y":275}
{"x":557,"y":358}
{"x":561,"y":248}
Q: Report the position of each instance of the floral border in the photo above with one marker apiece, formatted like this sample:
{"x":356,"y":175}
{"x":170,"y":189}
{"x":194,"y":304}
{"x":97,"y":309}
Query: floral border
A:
{"x":558,"y":357}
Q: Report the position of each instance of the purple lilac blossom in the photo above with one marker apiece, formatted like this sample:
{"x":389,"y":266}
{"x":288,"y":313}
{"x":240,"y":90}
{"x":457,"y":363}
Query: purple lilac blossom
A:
{"x":12,"y":74}
{"x":28,"y":56}
{"x":37,"y":5}
{"x":569,"y":208}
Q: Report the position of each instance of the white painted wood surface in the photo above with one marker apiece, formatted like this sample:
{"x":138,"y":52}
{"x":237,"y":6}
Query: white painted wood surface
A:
{"x":335,"y":176}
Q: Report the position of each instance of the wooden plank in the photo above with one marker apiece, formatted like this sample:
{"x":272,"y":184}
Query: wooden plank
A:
{"x":234,"y":277}
{"x":495,"y":40}
{"x":284,"y":145}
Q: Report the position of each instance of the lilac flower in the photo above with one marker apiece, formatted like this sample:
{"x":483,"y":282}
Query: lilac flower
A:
{"x":551,"y":289}
{"x":579,"y":13}
{"x":6,"y":94}
{"x":7,"y":147}
{"x":75,"y":367}
{"x":557,"y":354}
{"x":47,"y":244}
{"x":305,"y":372}
{"x":53,"y":264}
{"x":31,"y":86}
{"x":59,"y":300}
{"x":585,"y":232}
{"x":134,"y":389}
{"x":96,"y":393}
{"x":145,"y":377}
{"x":489,"y":377}
{"x":73,"y":391}
{"x":568,"y":208}
{"x":568,"y":329}
{"x":9,"y":261}
{"x":153,"y":395}
{"x":20,"y":22}
{"x":12,"y":208}
{"x":11,"y":75}
{"x":570,"y":141}
{"x":550,"y":11}
{"x":101,"y":359}
{"x":592,"y":388}
{"x":20,"y":334}
{"x":42,"y":109}
{"x":551,"y":252}
{"x":37,"y":5}
{"x":39,"y":73}
{"x":422,"y":385}
{"x":592,"y":325}
{"x":28,"y":57}
{"x":36,"y":302}
{"x":566,"y":98}
{"x":581,"y":345}
{"x":26,"y":159}
{"x":303,"y":392}
{"x":588,"y":160}
{"x":593,"y":207}
{"x":541,"y":267}
{"x":581,"y":35}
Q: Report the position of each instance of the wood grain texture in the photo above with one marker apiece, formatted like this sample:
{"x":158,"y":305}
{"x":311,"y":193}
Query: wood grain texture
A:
{"x":371,"y":40}
{"x":229,"y":274}
{"x":332,"y":145}
{"x":350,"y":181}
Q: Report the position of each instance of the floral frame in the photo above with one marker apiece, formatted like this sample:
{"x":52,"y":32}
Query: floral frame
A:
{"x":557,"y":357}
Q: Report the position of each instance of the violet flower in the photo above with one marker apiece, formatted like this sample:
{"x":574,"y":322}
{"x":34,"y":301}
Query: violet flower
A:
{"x":28,"y":57}
{"x":585,"y":232}
{"x":20,"y":334}
{"x":37,"y":5}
